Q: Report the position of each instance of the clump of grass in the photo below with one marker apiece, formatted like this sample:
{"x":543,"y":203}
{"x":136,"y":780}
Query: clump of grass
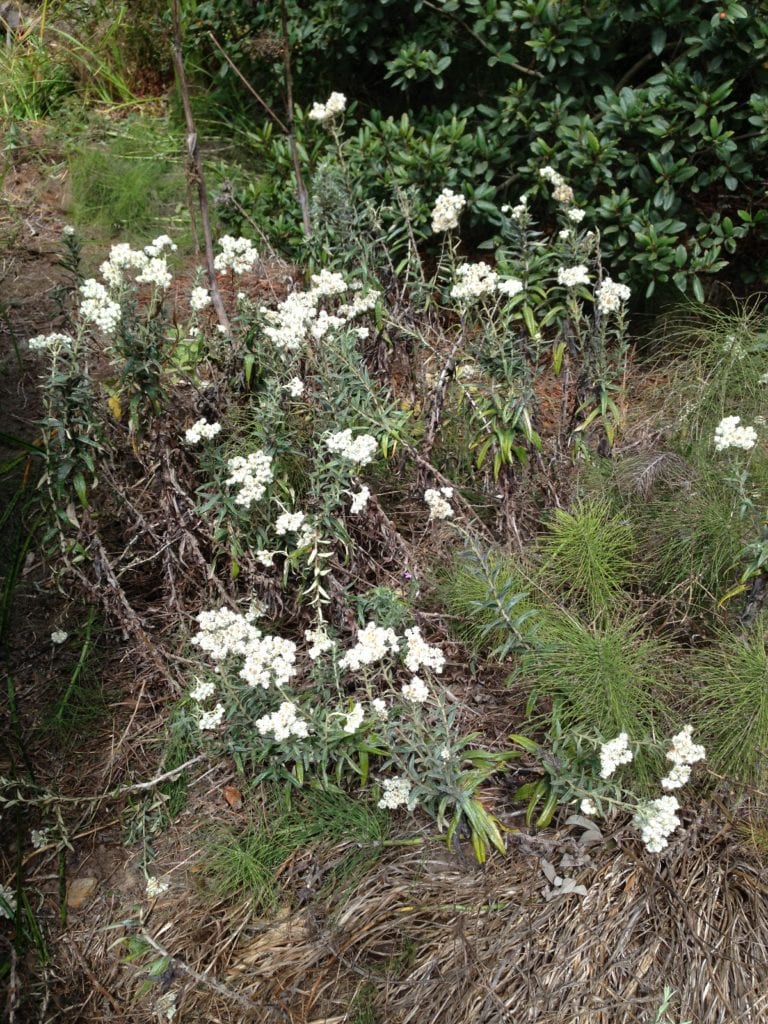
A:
{"x":731,"y":704}
{"x":588,"y":556}
{"x":488,"y":593}
{"x":34,"y":79}
{"x":603,"y":678}
{"x":246,"y":862}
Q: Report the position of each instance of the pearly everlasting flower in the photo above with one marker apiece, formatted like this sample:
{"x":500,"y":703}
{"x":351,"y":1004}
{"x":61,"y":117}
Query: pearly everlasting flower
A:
{"x":320,"y":641}
{"x":684,"y":750}
{"x":656,"y":820}
{"x":509,"y":286}
{"x":354,"y":719}
{"x":614,"y":753}
{"x":610,"y":295}
{"x":328,"y":282}
{"x":573,"y":276}
{"x":588,"y":806}
{"x":122,"y":258}
{"x":289,"y":522}
{"x":265,"y":558}
{"x":474,"y":281}
{"x":448,"y":206}
{"x":237,"y":255}
{"x":224,"y":632}
{"x":201,"y":691}
{"x":729,"y":434}
{"x":396,"y":793}
{"x":157,"y":245}
{"x":295,"y":387}
{"x":58,"y":636}
{"x":283,"y":723}
{"x":363,"y":302}
{"x":68,"y":230}
{"x":563,"y":194}
{"x":155,"y":272}
{"x":363,"y":333}
{"x":269,"y":660}
{"x":519,"y":211}
{"x":335,"y":104}
{"x":96,"y":306}
{"x":436,"y":501}
{"x":7,"y":902}
{"x":210,"y":719}
{"x":55,"y":342}
{"x":550,"y":174}
{"x":419,"y":652}
{"x":40,"y":838}
{"x":201,"y":430}
{"x":199,"y":298}
{"x":763,"y":378}
{"x":677,"y":777}
{"x":360,"y":449}
{"x":373,"y":643}
{"x":251,"y":474}
{"x":156,"y":887}
{"x":379,"y":707}
{"x":359,"y":500}
{"x":576,"y":215}
{"x":323,"y":323}
{"x":417,"y":691}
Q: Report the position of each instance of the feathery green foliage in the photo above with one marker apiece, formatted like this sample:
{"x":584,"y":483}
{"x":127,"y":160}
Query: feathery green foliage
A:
{"x":730,"y":681}
{"x":588,"y":555}
{"x":604,"y":677}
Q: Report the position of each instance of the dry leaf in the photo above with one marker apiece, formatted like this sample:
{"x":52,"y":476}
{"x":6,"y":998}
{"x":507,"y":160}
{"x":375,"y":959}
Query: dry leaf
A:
{"x":233,"y":797}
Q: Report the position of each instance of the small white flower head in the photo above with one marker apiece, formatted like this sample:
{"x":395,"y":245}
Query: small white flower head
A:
{"x":396,"y":793}
{"x":295,"y":387}
{"x":550,"y":174}
{"x":588,"y":806}
{"x":379,"y":708}
{"x":360,"y":450}
{"x":40,"y":838}
{"x":576,"y":215}
{"x":334,"y":105}
{"x":419,"y":653}
{"x":320,"y":642}
{"x":210,"y":719}
{"x":283,"y":723}
{"x":359,"y":500}
{"x":610,"y":296}
{"x":437,"y":501}
{"x":445,"y":754}
{"x":52,"y":342}
{"x":156,"y":273}
{"x":510,"y":286}
{"x":68,"y":230}
{"x":445,"y":214}
{"x":684,"y":750}
{"x":562,"y":194}
{"x":614,"y":753}
{"x":97,"y":308}
{"x":416,"y":692}
{"x":656,"y":820}
{"x":201,"y":691}
{"x":201,"y":431}
{"x":199,"y":298}
{"x":373,"y":643}
{"x":677,"y":777}
{"x":265,"y":558}
{"x":158,"y":245}
{"x":763,"y":379}
{"x":289,"y":522}
{"x":354,"y":719}
{"x":573,"y":276}
{"x":474,"y":281}
{"x":251,"y":474}
{"x":729,"y":434}
{"x":156,"y":887}
{"x":237,"y":255}
{"x":59,"y":636}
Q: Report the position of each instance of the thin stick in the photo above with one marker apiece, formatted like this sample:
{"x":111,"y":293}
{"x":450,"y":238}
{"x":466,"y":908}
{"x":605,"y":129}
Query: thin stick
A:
{"x":280,"y":124}
{"x":300,"y":187}
{"x":196,"y":170}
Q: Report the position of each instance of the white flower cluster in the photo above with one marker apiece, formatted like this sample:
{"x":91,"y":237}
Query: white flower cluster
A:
{"x":320,"y":641}
{"x":251,"y":474}
{"x":156,"y":887}
{"x":354,"y":718}
{"x":588,"y":806}
{"x":96,"y":306}
{"x":269,"y":660}
{"x":656,"y":820}
{"x":201,"y":691}
{"x":396,"y":793}
{"x":237,"y":255}
{"x":149,"y":263}
{"x":202,"y":430}
{"x":573,"y":276}
{"x":59,"y":636}
{"x":576,"y":215}
{"x":517,"y":212}
{"x":683,"y":753}
{"x":562,"y":192}
{"x":223,"y":632}
{"x":509,"y":286}
{"x":360,"y":500}
{"x":360,"y":449}
{"x":373,"y":643}
{"x":158,"y":245}
{"x":297,"y":317}
{"x":419,"y":652}
{"x":448,"y":206}
{"x":475,"y":280}
{"x":289,"y":522}
{"x":199,"y":298}
{"x":417,"y":691}
{"x":610,"y":295}
{"x":155,"y":272}
{"x":210,"y":719}
{"x":729,"y":434}
{"x":335,"y":104}
{"x":436,"y":500}
{"x":327,"y":282}
{"x":283,"y":723}
{"x":40,"y":838}
{"x":323,"y":323}
{"x":379,"y":706}
{"x":295,"y":387}
{"x":614,"y":753}
{"x":49,"y":341}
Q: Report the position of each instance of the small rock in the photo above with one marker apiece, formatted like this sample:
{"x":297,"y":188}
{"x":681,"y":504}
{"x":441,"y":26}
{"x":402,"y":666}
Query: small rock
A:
{"x":79,"y":891}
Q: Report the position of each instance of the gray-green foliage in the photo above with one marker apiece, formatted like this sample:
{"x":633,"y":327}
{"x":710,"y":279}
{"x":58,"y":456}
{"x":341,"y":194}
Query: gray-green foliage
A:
{"x":729,"y":682}
{"x":588,"y":556}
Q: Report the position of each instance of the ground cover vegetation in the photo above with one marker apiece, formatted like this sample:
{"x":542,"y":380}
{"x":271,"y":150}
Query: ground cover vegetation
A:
{"x":440,"y":587}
